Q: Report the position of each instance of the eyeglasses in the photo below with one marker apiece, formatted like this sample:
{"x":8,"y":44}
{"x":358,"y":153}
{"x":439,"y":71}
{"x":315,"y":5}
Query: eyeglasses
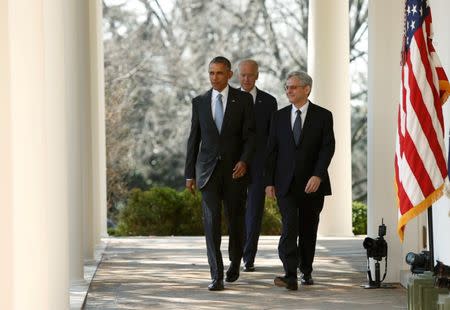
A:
{"x":293,"y":87}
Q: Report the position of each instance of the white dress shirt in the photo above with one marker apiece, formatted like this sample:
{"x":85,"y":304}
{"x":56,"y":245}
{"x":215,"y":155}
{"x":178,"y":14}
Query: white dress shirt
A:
{"x":214,"y":94}
{"x":252,"y":92}
{"x":303,"y":109}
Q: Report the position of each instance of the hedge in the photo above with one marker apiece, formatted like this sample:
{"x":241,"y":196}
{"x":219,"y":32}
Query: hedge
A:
{"x":359,"y":218}
{"x":163,"y":211}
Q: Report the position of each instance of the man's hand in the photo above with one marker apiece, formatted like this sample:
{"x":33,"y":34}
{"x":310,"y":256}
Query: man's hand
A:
{"x":239,"y":170}
{"x":270,"y":191}
{"x":190,"y":185}
{"x":313,"y":184}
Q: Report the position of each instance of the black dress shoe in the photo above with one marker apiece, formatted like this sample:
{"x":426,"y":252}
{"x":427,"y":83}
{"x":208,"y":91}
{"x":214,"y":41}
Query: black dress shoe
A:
{"x":232,"y":273}
{"x":307,"y":279}
{"x":249,"y":268}
{"x":216,"y":285}
{"x":287,"y":283}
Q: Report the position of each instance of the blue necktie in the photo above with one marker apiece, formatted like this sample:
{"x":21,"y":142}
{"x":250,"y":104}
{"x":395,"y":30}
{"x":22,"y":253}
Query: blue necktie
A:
{"x":297,"y":129}
{"x":218,"y":114}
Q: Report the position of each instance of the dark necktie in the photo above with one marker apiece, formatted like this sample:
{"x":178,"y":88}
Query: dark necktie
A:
{"x":218,"y":113}
{"x":297,"y":129}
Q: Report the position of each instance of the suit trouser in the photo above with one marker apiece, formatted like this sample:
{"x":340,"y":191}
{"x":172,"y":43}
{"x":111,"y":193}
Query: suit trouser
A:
{"x":300,"y":215}
{"x":253,"y":218}
{"x":222,"y":188}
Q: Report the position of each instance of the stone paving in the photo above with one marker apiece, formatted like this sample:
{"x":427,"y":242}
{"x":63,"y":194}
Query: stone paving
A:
{"x":172,"y":273}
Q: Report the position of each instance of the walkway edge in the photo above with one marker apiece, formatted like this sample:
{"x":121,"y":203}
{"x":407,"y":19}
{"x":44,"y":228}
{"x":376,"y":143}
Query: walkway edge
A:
{"x":79,"y":289}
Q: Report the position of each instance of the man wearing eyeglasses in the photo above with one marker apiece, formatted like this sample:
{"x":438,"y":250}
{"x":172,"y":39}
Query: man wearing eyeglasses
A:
{"x":300,"y":148}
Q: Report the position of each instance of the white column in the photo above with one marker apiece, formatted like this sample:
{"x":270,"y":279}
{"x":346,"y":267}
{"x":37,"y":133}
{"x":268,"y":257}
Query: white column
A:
{"x":77,"y":97}
{"x":57,"y":154}
{"x":29,"y":165}
{"x":385,"y":38}
{"x":6,"y":161}
{"x":38,"y":200}
{"x":328,"y":65}
{"x":94,"y":133}
{"x":98,"y":118}
{"x":88,"y":205}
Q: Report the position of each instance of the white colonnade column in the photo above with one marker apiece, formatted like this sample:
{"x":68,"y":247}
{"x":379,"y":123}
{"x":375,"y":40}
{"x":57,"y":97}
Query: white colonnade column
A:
{"x":35,"y":180}
{"x":94,"y":137}
{"x":98,"y":118}
{"x":328,"y":65}
{"x":6,"y":161}
{"x":49,"y":94}
{"x":385,"y":38}
{"x":77,"y":97}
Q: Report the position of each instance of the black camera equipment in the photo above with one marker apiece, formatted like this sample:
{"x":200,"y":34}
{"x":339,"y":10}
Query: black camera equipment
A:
{"x":419,"y":262}
{"x":376,"y":249}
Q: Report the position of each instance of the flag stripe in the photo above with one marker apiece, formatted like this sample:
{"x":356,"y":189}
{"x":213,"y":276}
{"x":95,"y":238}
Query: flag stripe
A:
{"x":423,"y":62}
{"x":429,"y":134}
{"x":403,"y":197}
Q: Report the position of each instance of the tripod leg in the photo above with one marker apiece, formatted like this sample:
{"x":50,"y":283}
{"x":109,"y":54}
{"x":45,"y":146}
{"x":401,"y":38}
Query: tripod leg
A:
{"x":377,"y":274}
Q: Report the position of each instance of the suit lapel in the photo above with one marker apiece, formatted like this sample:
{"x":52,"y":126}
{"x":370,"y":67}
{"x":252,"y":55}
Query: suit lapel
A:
{"x":231,"y":102}
{"x":307,"y":123}
{"x":286,"y":123}
{"x":207,"y":103}
{"x":258,"y":100}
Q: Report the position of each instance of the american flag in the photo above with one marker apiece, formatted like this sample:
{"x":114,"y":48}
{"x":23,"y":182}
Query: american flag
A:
{"x":420,"y":157}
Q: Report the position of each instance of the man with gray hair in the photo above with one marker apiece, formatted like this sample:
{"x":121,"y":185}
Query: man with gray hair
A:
{"x":264,"y":105}
{"x":300,"y":148}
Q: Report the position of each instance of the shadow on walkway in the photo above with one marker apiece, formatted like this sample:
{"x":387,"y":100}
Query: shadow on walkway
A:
{"x":172,"y":273}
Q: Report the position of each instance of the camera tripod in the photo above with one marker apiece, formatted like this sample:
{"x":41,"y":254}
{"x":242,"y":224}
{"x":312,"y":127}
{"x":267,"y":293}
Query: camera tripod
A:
{"x":377,"y":282}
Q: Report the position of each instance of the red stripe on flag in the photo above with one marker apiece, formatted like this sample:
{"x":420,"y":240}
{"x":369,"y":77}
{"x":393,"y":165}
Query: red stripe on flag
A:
{"x":417,"y":167}
{"x":426,"y":121}
{"x":427,"y":66}
{"x":404,"y":203}
{"x":441,"y":74}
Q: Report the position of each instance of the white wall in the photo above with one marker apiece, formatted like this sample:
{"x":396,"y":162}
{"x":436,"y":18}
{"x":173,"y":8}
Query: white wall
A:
{"x":385,"y":37}
{"x":441,"y":209}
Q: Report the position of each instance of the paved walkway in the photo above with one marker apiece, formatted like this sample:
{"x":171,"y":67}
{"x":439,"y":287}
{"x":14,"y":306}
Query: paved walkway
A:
{"x":172,"y":273}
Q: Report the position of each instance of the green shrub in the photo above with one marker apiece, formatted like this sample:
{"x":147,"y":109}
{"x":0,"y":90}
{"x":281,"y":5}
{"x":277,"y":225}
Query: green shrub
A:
{"x":359,"y":218}
{"x":191,"y":215}
{"x":160,"y":211}
{"x":163,"y":211}
{"x":271,"y":223}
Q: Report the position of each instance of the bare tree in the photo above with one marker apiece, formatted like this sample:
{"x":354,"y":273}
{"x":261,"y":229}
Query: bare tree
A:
{"x":156,"y":58}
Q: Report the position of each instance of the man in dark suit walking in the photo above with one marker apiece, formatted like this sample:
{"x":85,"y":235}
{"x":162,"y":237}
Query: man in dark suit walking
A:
{"x":264,"y":106}
{"x":219,"y":150}
{"x":300,"y":148}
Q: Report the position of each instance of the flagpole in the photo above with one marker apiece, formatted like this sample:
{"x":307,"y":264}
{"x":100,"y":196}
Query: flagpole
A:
{"x":430,"y":237}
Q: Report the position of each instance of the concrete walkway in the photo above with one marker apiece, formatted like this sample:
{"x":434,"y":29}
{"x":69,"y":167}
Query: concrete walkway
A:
{"x":172,"y":273}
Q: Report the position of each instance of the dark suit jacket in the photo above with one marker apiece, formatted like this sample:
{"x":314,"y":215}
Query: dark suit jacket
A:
{"x":311,"y":157}
{"x":265,"y":106}
{"x":235,"y":142}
